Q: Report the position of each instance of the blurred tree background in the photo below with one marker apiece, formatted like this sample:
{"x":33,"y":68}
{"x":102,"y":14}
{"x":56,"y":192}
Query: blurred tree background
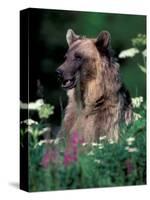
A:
{"x":47,"y":33}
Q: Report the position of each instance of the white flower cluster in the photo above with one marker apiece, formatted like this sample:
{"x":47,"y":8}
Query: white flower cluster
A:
{"x":94,"y":144}
{"x":48,"y":141}
{"x":97,"y":161}
{"x":111,"y":141}
{"x":136,"y":102}
{"x":84,"y":144}
{"x":102,"y":138}
{"x":91,"y":153}
{"x":37,"y":105}
{"x":131,"y":149}
{"x":29,"y":122}
{"x":33,"y":105}
{"x":100,"y":144}
{"x":128,"y":53}
{"x":130,"y":142}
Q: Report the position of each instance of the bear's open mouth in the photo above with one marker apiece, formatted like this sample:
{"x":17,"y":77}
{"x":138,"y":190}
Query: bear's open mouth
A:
{"x":69,"y":84}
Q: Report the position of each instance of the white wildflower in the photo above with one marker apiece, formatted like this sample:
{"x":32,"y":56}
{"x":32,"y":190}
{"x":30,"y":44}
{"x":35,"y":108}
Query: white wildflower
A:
{"x":56,"y":141}
{"x":128,"y":53}
{"x":84,"y":144}
{"x":33,"y":105}
{"x":29,"y":122}
{"x":130,"y":140}
{"x":136,"y":102}
{"x":23,"y":105}
{"x":133,"y":149}
{"x":94,"y":144}
{"x":36,"y":106}
{"x":41,"y":142}
{"x":90,"y":153}
{"x":102,"y":138}
{"x":97,"y":161}
{"x":111,"y":141}
{"x":100,"y":146}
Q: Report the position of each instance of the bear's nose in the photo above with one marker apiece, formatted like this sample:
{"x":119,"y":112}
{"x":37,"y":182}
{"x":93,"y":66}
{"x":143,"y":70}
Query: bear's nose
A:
{"x":59,"y":72}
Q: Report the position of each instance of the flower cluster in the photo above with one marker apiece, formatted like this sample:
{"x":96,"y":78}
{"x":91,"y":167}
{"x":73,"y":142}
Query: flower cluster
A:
{"x":136,"y":102}
{"x":130,"y":142}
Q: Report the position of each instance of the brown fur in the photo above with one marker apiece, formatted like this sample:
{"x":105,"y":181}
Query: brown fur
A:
{"x":98,"y":102}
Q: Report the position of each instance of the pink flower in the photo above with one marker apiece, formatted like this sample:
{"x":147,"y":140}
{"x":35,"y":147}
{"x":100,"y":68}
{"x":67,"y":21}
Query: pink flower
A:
{"x":129,"y":166}
{"x":49,"y":157}
{"x":74,"y":139}
{"x":71,"y":155}
{"x":68,"y":159}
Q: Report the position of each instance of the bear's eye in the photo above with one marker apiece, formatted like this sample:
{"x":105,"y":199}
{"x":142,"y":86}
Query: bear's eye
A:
{"x":78,"y":57}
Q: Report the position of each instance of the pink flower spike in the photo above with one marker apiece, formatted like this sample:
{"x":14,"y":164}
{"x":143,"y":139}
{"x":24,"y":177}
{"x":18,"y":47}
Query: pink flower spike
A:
{"x":75,"y":143}
{"x":49,"y":157}
{"x":67,"y":159}
{"x":129,"y":166}
{"x":71,"y":155}
{"x":45,"y":160}
{"x":75,"y":138}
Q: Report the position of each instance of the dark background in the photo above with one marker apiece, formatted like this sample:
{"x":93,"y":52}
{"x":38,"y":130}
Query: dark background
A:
{"x":47,"y":46}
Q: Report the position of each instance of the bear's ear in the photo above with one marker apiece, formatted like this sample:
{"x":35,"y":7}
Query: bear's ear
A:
{"x":71,"y":37}
{"x":103,"y":40}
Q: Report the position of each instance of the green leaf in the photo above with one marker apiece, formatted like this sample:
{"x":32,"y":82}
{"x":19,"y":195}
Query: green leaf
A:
{"x":139,"y":41}
{"x":142,"y":68}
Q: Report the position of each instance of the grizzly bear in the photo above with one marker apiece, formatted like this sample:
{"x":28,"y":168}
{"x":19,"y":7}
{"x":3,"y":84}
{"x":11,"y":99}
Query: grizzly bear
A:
{"x":97,"y":99}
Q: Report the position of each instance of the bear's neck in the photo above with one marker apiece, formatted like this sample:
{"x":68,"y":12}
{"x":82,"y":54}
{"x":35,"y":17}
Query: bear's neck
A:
{"x":93,"y":98}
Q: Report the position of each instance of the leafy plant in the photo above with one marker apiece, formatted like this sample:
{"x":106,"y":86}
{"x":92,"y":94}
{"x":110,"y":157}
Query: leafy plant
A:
{"x":45,"y":111}
{"x":138,"y":47}
{"x":102,"y":164}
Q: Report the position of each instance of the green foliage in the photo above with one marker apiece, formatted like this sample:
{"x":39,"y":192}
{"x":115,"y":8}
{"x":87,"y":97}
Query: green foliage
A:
{"x":139,"y":47}
{"x":33,"y":128}
{"x":45,"y":111}
{"x":142,"y":68}
{"x":102,"y":164}
{"x":139,"y":41}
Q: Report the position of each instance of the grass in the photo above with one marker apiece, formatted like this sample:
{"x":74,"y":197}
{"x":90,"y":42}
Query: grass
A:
{"x":102,"y":164}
